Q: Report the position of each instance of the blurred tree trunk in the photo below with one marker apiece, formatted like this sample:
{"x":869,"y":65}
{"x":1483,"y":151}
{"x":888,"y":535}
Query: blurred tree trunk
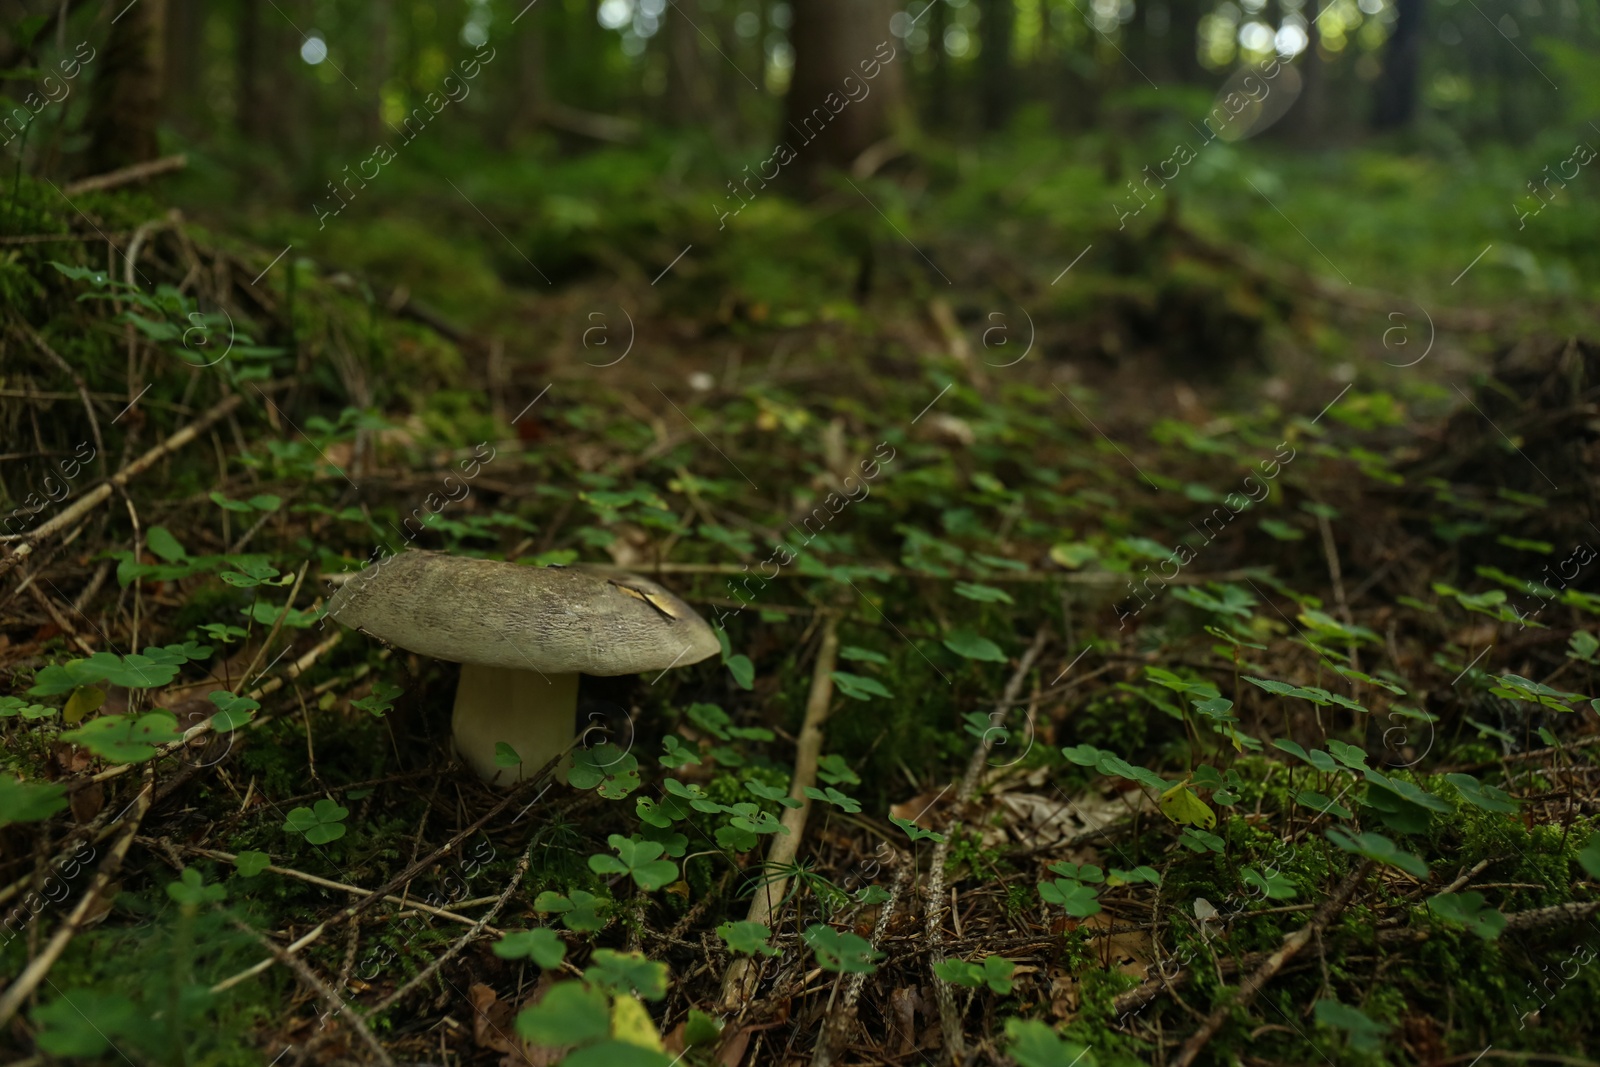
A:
{"x":996,"y":78}
{"x":1395,"y":97}
{"x":125,"y":104}
{"x":1182,"y":40}
{"x":939,"y":78}
{"x":185,"y":59}
{"x":248,"y":112}
{"x":531,"y":88}
{"x":835,"y":40}
{"x":688,"y":90}
{"x":382,"y":14}
{"x":1306,"y":114}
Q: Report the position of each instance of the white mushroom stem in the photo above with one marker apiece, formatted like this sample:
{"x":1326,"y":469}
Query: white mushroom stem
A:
{"x":534,"y":713}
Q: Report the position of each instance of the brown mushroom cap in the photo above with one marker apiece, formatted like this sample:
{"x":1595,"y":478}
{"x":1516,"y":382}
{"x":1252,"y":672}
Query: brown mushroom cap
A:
{"x":554,"y":620}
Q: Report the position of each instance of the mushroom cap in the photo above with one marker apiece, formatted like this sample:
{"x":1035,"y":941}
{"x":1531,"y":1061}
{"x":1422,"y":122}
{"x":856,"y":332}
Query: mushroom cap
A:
{"x":555,"y":620}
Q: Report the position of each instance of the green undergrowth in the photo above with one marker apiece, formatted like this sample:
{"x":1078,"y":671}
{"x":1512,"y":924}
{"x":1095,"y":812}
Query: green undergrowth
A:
{"x":1263,"y":736}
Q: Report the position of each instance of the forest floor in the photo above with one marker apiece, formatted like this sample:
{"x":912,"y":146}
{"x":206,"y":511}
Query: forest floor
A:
{"x":1188,"y":659}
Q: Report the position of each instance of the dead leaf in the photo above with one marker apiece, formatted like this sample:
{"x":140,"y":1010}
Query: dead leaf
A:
{"x":87,"y":802}
{"x":919,"y":809}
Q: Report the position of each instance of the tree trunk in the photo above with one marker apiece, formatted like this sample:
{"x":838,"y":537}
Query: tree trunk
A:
{"x":846,"y":94}
{"x":688,"y":91}
{"x":185,"y":57}
{"x":996,"y":77}
{"x":125,"y":105}
{"x":939,"y":79}
{"x":1395,"y":100}
{"x":248,"y":114}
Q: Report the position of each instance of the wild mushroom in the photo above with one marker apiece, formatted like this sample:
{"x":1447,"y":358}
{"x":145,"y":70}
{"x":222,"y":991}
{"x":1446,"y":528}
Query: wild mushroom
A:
{"x":522,"y":636}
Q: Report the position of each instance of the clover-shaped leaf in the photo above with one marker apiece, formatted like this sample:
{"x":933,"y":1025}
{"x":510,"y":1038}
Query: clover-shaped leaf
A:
{"x":1033,"y":1044}
{"x":642,"y":859}
{"x":1087,"y":872}
{"x":577,"y":910}
{"x":736,"y":838}
{"x":749,"y":817}
{"x":570,"y":1013}
{"x":1274,"y":885}
{"x":697,"y":798}
{"x":871,"y":895}
{"x":127,"y":738}
{"x":749,"y":938}
{"x":676,"y":753}
{"x":606,"y":769}
{"x":660,"y":813}
{"x":834,"y":797}
{"x":833,"y":770}
{"x":250,"y":863}
{"x":1468,"y":910}
{"x":770,"y":792}
{"x":847,"y":953}
{"x":380,"y":701}
{"x":11,"y":706}
{"x":541,"y":944}
{"x":191,"y":889}
{"x":627,"y":972}
{"x":1138,"y":874}
{"x":915,"y":832}
{"x":233,"y":711}
{"x":1073,"y":896}
{"x":320,"y":824}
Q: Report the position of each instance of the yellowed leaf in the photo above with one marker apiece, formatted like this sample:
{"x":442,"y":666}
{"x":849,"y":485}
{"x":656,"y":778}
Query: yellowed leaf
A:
{"x":1181,"y":806}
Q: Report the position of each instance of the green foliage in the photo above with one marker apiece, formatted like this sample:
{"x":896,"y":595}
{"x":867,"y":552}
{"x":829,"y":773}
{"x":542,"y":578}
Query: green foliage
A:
{"x":749,"y":938}
{"x":994,"y":972}
{"x":319,"y":824}
{"x":641,"y":859}
{"x":126,"y":738}
{"x":1033,"y":1044}
{"x":579,"y":910}
{"x":846,"y":953}
{"x":541,"y":944}
{"x":23,"y":801}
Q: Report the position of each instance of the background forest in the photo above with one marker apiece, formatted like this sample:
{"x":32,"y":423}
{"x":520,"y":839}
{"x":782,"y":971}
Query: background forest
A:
{"x":1137,"y":458}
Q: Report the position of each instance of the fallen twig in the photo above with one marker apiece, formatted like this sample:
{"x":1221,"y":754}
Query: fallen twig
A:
{"x":738,"y":984}
{"x":127,"y":175}
{"x":102,"y":492}
{"x":1270,"y":967}
{"x":334,"y":1001}
{"x":326,"y":883}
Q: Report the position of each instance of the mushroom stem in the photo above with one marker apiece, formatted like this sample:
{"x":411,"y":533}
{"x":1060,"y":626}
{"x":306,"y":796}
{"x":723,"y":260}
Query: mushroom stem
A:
{"x":534,"y":713}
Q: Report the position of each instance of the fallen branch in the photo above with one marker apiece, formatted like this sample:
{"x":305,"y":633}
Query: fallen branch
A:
{"x":949,"y":1020}
{"x":739,"y":983}
{"x":127,"y":175}
{"x":102,"y":492}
